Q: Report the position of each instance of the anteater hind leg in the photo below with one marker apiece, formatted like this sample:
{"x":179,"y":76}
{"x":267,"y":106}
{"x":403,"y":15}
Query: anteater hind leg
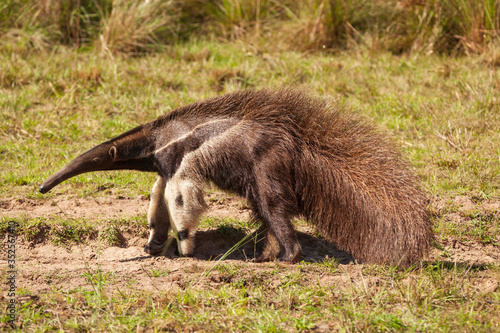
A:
{"x":276,"y":211}
{"x":281,"y":230}
{"x":186,"y":204}
{"x":280,"y":234}
{"x":158,"y":219}
{"x":271,"y":248}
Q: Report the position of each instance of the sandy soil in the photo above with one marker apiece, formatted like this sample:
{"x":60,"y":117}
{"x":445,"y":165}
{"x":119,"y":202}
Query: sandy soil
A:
{"x":44,"y":267}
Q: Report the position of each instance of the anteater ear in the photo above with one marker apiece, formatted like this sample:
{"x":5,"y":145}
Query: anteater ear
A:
{"x":112,"y":152}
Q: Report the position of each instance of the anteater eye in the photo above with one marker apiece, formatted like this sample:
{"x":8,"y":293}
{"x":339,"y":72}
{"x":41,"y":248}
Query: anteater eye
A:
{"x":152,"y":226}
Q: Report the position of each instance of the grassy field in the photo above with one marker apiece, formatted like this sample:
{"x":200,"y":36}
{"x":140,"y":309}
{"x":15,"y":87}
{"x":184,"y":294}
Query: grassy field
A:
{"x":444,"y":112}
{"x":58,"y":100}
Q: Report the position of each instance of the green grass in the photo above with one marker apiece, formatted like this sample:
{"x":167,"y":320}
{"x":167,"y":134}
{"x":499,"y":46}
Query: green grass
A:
{"x":63,"y":231}
{"x":432,"y":298}
{"x":444,"y":112}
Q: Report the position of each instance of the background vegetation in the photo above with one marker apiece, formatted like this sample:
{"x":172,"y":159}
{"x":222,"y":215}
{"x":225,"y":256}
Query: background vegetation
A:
{"x":445,"y":26}
{"x":77,"y":72}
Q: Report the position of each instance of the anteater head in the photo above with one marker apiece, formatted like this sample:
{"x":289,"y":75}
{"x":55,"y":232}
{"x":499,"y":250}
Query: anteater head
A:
{"x":132,"y":150}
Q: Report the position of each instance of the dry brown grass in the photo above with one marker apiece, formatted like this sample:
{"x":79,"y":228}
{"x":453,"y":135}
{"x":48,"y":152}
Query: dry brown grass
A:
{"x":124,"y":26}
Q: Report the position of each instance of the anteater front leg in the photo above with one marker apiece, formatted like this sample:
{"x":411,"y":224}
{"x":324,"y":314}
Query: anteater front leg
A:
{"x":184,"y":195}
{"x":186,"y":204}
{"x":158,"y":218}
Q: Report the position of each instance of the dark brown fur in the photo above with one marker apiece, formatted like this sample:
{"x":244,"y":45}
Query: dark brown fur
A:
{"x":290,"y":156}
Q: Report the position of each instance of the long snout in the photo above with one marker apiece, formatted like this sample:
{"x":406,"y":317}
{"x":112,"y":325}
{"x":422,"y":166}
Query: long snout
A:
{"x":98,"y":158}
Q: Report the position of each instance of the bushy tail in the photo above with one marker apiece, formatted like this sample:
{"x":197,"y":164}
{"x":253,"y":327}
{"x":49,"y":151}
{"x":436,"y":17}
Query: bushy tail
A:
{"x":364,"y":198}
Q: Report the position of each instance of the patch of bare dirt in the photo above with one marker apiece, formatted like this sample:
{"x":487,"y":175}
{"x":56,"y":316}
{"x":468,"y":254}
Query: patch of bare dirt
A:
{"x":74,"y":207}
{"x":459,"y":211}
{"x":465,"y":204}
{"x":224,"y":206}
{"x":472,"y":252}
{"x":45,"y":267}
{"x":221,"y":205}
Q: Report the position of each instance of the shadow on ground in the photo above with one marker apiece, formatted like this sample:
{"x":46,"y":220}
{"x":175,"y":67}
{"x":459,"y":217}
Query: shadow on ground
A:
{"x":213,"y":244}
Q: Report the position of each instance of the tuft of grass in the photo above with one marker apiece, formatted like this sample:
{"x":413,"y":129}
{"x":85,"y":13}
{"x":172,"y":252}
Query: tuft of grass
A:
{"x":110,"y":235}
{"x":236,"y":19}
{"x":158,"y":273}
{"x":470,"y":24}
{"x":137,"y":26}
{"x":97,"y":279}
{"x":330,"y":264}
